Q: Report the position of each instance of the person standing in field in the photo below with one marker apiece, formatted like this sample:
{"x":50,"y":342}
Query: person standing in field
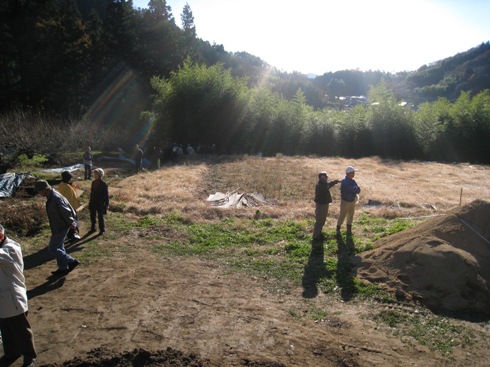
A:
{"x":62,"y":217}
{"x":99,"y":201}
{"x":87,"y":162}
{"x":323,"y":198}
{"x":66,"y":189}
{"x":138,"y":158}
{"x":349,"y":191}
{"x":17,"y":335}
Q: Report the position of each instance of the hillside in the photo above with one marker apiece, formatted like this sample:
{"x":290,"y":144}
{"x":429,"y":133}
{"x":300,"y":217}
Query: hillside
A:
{"x":467,"y":71}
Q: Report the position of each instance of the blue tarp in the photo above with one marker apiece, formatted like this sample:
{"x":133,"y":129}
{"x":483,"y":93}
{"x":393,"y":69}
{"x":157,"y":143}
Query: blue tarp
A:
{"x":9,"y":182}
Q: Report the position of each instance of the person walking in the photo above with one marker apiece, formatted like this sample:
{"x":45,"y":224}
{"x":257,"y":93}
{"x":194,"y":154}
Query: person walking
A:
{"x":87,"y":162}
{"x":99,"y":201}
{"x":349,"y":191}
{"x":17,"y":335}
{"x":323,"y":198}
{"x":66,"y":189}
{"x":62,"y":217}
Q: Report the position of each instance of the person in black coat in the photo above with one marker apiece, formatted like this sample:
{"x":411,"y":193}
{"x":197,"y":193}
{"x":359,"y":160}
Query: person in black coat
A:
{"x":322,"y":200}
{"x":99,"y":201}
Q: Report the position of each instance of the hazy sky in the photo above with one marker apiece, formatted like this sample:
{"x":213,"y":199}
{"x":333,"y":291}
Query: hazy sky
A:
{"x":317,"y":36}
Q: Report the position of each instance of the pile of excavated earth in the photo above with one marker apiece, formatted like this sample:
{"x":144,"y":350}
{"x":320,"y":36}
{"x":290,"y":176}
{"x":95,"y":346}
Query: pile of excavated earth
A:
{"x":443,"y":263}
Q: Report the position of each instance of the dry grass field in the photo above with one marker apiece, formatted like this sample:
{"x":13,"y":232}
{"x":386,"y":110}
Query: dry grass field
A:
{"x":404,"y":188}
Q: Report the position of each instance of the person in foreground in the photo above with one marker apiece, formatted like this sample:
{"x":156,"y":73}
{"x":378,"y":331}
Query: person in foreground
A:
{"x":323,"y":198}
{"x":99,"y":201}
{"x":62,"y":218}
{"x":348,"y":193}
{"x":17,"y":335}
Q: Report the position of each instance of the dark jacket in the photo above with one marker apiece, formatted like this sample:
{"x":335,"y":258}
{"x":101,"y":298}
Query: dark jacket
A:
{"x":322,"y":192}
{"x":60,"y":213}
{"x":99,"y":195}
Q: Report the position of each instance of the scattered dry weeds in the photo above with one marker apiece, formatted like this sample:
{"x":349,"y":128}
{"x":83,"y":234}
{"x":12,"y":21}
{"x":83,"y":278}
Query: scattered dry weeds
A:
{"x":403,"y":188}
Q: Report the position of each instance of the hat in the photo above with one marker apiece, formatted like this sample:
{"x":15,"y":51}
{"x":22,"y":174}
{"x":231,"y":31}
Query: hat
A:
{"x":323,"y":173}
{"x":100,"y":171}
{"x":41,"y":185}
{"x":66,"y":176}
{"x":350,"y":169}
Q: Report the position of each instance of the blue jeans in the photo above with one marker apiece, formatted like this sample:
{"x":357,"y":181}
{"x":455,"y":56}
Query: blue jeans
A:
{"x":56,"y":248}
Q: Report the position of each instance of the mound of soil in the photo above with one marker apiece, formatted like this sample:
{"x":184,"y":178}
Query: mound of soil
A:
{"x":443,"y":263}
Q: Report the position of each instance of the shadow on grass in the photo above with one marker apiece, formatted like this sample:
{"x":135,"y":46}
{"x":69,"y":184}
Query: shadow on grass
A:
{"x":315,"y":270}
{"x":345,"y":272}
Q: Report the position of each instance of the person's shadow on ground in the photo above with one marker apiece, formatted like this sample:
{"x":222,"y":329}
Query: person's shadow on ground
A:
{"x":315,"y":270}
{"x":345,"y":272}
{"x":42,"y":256}
{"x":51,"y":283}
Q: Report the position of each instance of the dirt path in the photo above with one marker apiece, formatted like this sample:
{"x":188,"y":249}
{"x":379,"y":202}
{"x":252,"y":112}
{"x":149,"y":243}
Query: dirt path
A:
{"x":150,"y":302}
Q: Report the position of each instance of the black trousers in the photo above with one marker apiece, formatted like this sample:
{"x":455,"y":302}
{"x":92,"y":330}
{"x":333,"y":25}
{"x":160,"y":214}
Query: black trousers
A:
{"x":17,"y":336}
{"x":97,"y":214}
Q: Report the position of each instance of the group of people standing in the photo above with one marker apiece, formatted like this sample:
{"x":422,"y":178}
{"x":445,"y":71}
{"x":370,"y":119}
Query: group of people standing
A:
{"x":61,"y":208}
{"x":349,"y":191}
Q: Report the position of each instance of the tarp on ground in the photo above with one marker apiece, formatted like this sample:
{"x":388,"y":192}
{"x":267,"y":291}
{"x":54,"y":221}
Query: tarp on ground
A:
{"x":9,"y":182}
{"x":236,"y":200}
{"x":145,"y":162}
{"x":59,"y":170}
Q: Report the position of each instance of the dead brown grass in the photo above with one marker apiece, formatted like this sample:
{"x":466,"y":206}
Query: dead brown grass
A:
{"x":403,"y":188}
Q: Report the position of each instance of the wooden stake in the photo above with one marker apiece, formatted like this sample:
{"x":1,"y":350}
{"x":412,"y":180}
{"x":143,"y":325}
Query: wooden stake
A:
{"x":460,"y":196}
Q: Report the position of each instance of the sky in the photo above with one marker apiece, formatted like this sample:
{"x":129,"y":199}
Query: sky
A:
{"x":319,"y":36}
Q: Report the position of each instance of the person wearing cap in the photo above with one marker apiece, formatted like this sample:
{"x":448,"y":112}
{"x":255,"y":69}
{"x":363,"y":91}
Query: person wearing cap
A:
{"x":348,"y":193}
{"x":17,"y":335}
{"x":99,"y":201}
{"x":68,"y":191}
{"x":61,"y":217}
{"x":323,"y":198}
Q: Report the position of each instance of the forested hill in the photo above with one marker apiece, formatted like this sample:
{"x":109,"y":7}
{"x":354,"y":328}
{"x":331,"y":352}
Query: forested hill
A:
{"x":102,"y":73}
{"x":467,"y":71}
{"x":60,"y":56}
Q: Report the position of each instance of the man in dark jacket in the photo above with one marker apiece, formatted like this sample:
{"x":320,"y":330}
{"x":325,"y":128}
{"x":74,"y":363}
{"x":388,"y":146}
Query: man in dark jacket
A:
{"x":61,"y":217}
{"x":322,"y":201}
{"x":99,"y":201}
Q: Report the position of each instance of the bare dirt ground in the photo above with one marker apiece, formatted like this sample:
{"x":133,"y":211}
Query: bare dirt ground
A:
{"x":213,"y":318}
{"x":139,"y":309}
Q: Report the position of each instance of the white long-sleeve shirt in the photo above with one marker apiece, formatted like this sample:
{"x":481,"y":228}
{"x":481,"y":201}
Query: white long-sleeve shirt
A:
{"x":13,"y":292}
